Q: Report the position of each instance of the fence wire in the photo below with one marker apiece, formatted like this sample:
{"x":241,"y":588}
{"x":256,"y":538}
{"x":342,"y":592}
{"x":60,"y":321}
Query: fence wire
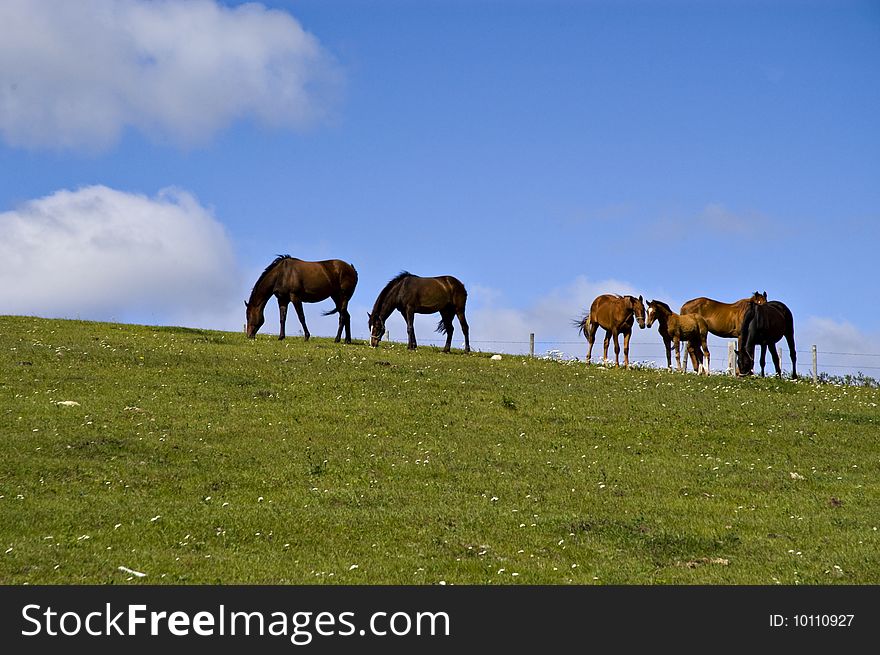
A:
{"x":656,"y":349}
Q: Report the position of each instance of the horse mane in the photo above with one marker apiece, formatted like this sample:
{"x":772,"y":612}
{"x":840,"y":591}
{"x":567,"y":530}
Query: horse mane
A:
{"x":748,"y":317}
{"x":278,"y":259}
{"x":393,"y":282}
{"x":663,"y":305}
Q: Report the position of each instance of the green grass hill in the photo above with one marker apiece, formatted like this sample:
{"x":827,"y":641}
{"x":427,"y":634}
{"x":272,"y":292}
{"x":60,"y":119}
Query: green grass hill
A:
{"x":201,"y":457}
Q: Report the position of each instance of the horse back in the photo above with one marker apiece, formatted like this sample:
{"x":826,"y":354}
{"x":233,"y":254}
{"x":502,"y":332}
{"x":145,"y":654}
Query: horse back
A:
{"x":315,"y":281}
{"x":611,"y":312}
{"x":431,"y":294}
{"x":342,"y":274}
{"x":722,"y":319}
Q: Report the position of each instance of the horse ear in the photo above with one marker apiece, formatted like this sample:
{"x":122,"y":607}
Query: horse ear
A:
{"x":245,"y":303}
{"x":640,"y":298}
{"x":765,"y":295}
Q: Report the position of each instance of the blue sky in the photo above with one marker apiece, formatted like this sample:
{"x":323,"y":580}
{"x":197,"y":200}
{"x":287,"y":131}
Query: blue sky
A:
{"x":542,"y":152}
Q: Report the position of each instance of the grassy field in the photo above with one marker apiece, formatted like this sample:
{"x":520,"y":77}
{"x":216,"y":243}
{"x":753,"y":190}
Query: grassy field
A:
{"x":201,"y":457}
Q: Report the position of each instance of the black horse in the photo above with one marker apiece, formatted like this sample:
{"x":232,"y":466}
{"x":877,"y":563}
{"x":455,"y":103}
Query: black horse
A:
{"x":410,"y":295}
{"x":763,"y":325}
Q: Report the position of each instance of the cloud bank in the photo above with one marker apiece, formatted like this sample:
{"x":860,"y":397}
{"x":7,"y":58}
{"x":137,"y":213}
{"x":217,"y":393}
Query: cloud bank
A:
{"x":99,"y":253}
{"x":77,"y":74}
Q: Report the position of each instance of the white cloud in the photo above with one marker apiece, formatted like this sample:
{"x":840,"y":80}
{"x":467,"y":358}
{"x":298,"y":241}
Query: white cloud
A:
{"x":834,"y":335}
{"x":842,"y":347}
{"x":98,"y":253}
{"x":76,"y":74}
{"x":714,"y":220}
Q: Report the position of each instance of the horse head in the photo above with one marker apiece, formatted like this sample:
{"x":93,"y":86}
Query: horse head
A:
{"x":652,"y":313}
{"x":745,"y":362}
{"x":638,"y":306}
{"x":377,"y":329}
{"x":759,"y":298}
{"x":255,"y":319}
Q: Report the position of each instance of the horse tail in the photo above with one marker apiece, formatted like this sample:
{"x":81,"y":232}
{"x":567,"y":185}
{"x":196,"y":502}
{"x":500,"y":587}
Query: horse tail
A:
{"x":441,"y":327}
{"x":582,"y":323}
{"x":332,"y":311}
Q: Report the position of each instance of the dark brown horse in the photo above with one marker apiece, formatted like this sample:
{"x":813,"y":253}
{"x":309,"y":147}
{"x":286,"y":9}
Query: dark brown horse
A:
{"x":293,"y":280}
{"x":763,"y":325}
{"x":615,"y":314}
{"x":723,"y":319}
{"x":410,"y":295}
{"x":675,"y":328}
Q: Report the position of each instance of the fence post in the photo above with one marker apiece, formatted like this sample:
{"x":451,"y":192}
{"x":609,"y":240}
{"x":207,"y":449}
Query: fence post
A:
{"x":531,"y":344}
{"x":731,"y":359}
{"x":815,"y":364}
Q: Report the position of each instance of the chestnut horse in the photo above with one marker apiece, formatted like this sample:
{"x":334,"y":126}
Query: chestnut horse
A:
{"x":293,"y":280}
{"x":764,"y":325}
{"x":723,"y":319}
{"x":675,"y":328}
{"x":614,"y":313}
{"x":410,"y":295}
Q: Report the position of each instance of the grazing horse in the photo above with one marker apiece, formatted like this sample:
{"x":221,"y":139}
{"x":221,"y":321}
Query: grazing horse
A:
{"x":410,"y":295}
{"x":764,"y":325}
{"x":293,"y":280}
{"x":675,"y":328}
{"x":615,"y":314}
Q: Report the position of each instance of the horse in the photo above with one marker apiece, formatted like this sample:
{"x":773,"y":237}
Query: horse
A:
{"x":410,"y":295}
{"x":614,"y":313}
{"x":293,"y":280}
{"x":723,"y":319}
{"x":674,"y":328}
{"x":764,"y":325}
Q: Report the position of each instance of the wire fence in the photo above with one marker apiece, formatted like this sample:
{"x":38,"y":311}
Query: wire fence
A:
{"x":655,"y":351}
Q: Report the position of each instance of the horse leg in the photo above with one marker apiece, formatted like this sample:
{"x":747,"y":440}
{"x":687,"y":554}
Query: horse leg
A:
{"x":705,"y":346}
{"x":696,"y":353}
{"x":789,"y":338}
{"x":776,"y":362}
{"x":338,"y":338}
{"x":692,"y":355}
{"x":616,"y":349}
{"x":590,"y":333}
{"x":626,"y":338}
{"x":298,"y":306}
{"x":344,"y":320}
{"x":763,"y":357}
{"x":605,"y":345}
{"x":448,"y":327}
{"x":464,"y":329}
{"x":676,"y":343}
{"x":282,"y":313}
{"x":410,"y":316}
{"x":667,"y":342}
